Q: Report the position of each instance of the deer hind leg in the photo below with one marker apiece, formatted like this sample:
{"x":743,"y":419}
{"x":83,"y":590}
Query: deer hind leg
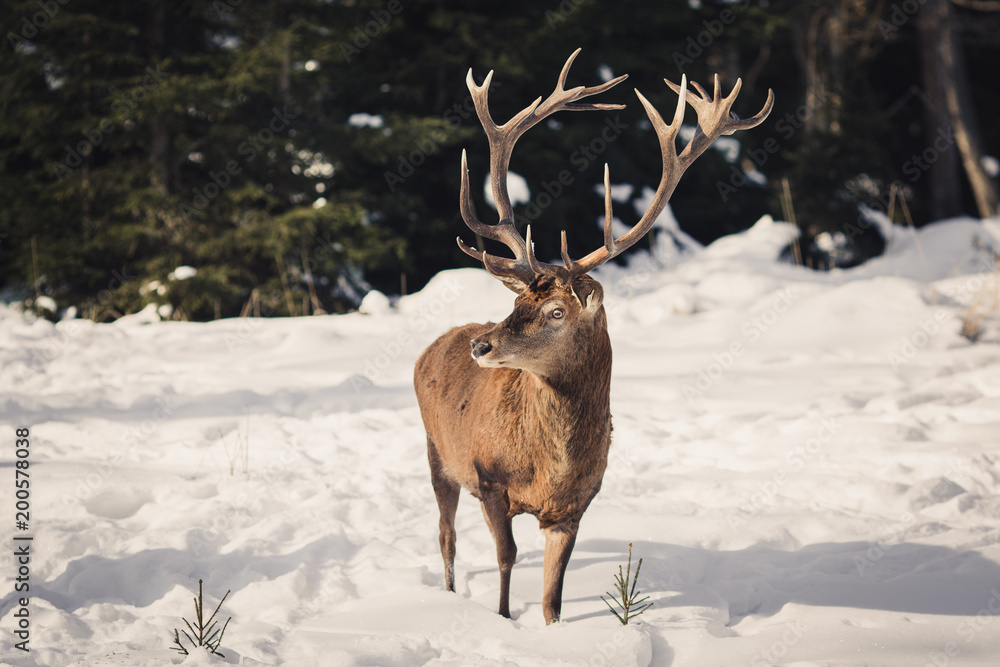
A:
{"x":447,"y":491}
{"x":559,"y":541}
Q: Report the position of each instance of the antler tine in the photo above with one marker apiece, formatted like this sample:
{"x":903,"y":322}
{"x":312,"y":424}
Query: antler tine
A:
{"x":480,"y":97}
{"x":564,"y":72}
{"x":609,"y":216}
{"x":714,"y":119}
{"x":694,"y":84}
{"x":746,"y":123}
{"x":465,"y":203}
{"x":703,"y":99}
{"x":538,"y":268}
{"x":564,"y":251}
{"x":481,"y":100}
{"x":505,"y":232}
{"x":563,"y":99}
{"x":731,"y":97}
{"x":574,"y":267}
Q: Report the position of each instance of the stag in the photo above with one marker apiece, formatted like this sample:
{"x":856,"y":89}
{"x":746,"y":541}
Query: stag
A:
{"x":524,"y":421}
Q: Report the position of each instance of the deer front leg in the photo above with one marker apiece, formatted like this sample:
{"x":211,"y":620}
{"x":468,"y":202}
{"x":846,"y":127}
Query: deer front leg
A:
{"x":446,"y":491}
{"x":559,"y":541}
{"x":496,"y":510}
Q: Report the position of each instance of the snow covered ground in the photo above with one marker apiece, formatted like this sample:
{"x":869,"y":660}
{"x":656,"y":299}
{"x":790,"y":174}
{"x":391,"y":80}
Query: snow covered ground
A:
{"x":808,"y":464}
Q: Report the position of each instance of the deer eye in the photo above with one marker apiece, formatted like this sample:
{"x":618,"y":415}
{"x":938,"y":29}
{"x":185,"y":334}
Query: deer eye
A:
{"x":557,"y":314}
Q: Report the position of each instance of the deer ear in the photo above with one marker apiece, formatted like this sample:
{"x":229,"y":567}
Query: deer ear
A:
{"x":589,"y":293}
{"x":513,"y":284}
{"x":510,"y":281}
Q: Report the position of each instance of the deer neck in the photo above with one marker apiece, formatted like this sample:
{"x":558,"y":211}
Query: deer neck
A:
{"x":570,"y":407}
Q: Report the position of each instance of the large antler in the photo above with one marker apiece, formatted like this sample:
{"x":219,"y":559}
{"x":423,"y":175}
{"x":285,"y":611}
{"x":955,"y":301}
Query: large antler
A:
{"x":502,"y":139}
{"x":715,"y":118}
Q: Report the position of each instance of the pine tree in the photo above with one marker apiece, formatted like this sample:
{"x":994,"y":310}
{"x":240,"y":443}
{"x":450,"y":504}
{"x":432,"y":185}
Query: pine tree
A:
{"x":138,"y":137}
{"x":298,"y":152}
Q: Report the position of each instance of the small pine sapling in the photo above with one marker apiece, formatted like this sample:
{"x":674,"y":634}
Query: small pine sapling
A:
{"x":626,"y":599}
{"x":203,"y":633}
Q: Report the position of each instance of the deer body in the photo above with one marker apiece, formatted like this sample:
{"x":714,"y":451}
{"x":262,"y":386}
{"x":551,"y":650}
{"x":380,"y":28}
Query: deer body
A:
{"x":557,"y":449}
{"x":556,"y":429}
{"x":524,"y":421}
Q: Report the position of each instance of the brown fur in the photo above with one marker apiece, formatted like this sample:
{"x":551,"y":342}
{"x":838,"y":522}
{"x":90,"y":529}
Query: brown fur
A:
{"x":530,"y":436}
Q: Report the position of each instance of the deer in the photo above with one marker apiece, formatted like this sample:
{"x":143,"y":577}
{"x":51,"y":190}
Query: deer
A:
{"x":518,"y":413}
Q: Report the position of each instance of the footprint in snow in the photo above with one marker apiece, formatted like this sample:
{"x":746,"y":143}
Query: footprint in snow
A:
{"x":118,"y":504}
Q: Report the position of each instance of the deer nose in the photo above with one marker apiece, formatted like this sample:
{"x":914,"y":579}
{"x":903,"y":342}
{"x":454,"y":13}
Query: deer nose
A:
{"x":479,"y":348}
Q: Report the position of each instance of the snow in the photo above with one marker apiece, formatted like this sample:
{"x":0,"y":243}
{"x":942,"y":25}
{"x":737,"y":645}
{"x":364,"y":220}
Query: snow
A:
{"x":153,"y":286}
{"x":605,"y":72}
{"x":807,"y":463}
{"x":673,"y":243}
{"x":991,"y":165}
{"x":360,"y":119}
{"x":375,"y":303}
{"x":729,"y":147}
{"x":183,"y":273}
{"x":517,"y":189}
{"x":47,"y":303}
{"x":620,"y":192}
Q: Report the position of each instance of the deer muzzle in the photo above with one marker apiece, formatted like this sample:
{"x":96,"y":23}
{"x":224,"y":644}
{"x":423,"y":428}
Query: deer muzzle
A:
{"x":484,"y":353}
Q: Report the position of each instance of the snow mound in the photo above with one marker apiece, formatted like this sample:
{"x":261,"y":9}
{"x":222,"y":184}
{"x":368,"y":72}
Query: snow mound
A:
{"x":375,"y":303}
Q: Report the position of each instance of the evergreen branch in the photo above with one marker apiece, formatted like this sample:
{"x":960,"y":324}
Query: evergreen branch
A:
{"x":219,"y":606}
{"x":637,"y":568}
{"x":613,"y":610}
{"x":215,"y":648}
{"x":190,"y":638}
{"x":180,"y":647}
{"x":628,"y":604}
{"x":203,"y":633}
{"x":193,"y":632}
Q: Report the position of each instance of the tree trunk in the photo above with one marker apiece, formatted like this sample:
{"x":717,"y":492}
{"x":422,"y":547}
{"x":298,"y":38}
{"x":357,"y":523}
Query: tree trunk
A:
{"x":958,"y":100}
{"x":808,"y":48}
{"x":945,"y":186}
{"x":160,"y":139}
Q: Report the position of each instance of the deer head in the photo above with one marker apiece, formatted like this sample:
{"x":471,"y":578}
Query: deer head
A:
{"x":547,"y":329}
{"x":557,"y":305}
